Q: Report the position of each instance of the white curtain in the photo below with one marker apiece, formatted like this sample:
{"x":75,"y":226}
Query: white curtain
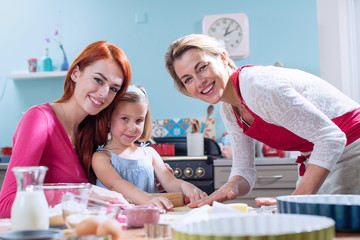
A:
{"x":339,"y":44}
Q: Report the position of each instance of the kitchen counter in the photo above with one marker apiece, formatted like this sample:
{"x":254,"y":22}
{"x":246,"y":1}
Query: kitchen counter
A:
{"x":258,"y":161}
{"x":3,"y":166}
{"x":139,"y":233}
{"x":218,"y":161}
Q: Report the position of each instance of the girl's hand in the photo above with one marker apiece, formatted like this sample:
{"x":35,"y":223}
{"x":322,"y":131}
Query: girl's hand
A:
{"x":161,"y":202}
{"x":159,"y":186}
{"x":228,"y":191}
{"x":192,"y":192}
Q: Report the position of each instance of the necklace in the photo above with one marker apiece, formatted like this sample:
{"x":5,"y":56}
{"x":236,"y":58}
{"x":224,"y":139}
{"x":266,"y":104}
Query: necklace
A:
{"x":71,"y":133}
{"x":242,"y":120}
{"x":239,"y":110}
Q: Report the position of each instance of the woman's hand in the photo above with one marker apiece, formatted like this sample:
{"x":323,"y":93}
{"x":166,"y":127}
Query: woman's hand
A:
{"x":192,"y":192}
{"x":161,"y":202}
{"x":235,"y":187}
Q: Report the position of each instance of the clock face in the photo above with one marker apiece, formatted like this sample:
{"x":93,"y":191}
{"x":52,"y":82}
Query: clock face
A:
{"x":231,"y":30}
{"x":227,"y":31}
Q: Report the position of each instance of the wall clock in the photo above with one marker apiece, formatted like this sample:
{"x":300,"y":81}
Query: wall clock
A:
{"x":231,"y":30}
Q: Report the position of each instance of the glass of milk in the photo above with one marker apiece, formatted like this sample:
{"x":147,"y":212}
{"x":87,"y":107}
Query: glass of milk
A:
{"x":30,"y":209}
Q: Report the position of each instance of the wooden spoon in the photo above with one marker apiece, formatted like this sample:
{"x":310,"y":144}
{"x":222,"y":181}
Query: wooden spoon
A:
{"x":210,"y":110}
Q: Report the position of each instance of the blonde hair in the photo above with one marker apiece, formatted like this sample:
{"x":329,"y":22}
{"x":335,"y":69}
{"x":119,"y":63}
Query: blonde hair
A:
{"x":202,"y":42}
{"x":134,"y":97}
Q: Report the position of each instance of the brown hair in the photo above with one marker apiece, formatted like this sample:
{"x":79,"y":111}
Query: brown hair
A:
{"x":92,"y":131}
{"x":202,"y":42}
{"x":134,"y":98}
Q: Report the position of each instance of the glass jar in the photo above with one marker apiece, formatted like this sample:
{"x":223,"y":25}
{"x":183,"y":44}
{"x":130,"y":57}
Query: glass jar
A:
{"x":30,"y":209}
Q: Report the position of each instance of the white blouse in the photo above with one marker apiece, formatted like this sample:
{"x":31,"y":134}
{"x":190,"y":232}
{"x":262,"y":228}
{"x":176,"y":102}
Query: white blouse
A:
{"x":298,"y":101}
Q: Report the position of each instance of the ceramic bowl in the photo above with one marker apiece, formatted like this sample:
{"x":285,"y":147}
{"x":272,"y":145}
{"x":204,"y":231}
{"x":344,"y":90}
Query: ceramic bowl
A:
{"x":344,"y":209}
{"x":138,"y":215}
{"x":258,"y":227}
{"x":53,"y":194}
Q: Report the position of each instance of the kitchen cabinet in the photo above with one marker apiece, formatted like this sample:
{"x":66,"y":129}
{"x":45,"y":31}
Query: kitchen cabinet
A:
{"x":37,"y":75}
{"x":275,"y":177}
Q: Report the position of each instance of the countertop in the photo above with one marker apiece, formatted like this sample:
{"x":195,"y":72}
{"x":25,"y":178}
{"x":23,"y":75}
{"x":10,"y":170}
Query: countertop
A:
{"x":139,"y":233}
{"x":258,"y":161}
{"x":3,"y":166}
{"x":218,"y":161}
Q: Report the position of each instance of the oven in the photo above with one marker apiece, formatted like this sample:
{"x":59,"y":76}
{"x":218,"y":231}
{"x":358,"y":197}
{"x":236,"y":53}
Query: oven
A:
{"x":196,"y":170}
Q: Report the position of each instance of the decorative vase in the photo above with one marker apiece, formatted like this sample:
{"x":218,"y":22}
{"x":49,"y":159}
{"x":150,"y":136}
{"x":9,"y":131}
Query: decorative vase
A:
{"x":64,"y":65}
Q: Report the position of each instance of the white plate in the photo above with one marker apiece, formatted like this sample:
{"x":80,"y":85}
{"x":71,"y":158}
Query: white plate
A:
{"x":31,"y":234}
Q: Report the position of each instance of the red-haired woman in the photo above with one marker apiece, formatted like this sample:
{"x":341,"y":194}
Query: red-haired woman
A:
{"x":63,"y":135}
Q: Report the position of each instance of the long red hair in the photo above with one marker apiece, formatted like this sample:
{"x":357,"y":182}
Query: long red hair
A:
{"x":92,"y":131}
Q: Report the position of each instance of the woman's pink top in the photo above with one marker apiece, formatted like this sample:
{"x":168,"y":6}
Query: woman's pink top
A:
{"x":41,"y":140}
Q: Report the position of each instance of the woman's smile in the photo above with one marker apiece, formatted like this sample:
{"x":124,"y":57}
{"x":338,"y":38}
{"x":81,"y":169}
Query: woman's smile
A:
{"x":98,"y":103}
{"x":202,"y":75}
{"x":208,"y":88}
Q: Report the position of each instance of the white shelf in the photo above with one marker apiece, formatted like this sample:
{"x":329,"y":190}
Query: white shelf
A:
{"x":36,"y":75}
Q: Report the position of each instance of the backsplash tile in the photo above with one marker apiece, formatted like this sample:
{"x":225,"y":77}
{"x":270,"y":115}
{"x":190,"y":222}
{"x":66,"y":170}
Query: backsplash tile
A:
{"x":177,"y":127}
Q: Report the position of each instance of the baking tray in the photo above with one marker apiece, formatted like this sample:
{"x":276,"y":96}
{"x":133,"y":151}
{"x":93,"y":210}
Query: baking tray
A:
{"x":344,"y":209}
{"x":258,"y":227}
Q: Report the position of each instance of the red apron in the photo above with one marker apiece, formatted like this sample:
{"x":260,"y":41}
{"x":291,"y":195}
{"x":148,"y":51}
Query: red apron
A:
{"x":282,"y":139}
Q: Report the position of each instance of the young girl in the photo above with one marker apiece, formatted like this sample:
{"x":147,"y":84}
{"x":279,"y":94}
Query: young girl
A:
{"x":123,"y":166}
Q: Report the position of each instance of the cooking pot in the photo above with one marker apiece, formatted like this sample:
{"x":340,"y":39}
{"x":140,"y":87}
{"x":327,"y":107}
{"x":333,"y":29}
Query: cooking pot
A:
{"x":164,"y":149}
{"x":6,"y":151}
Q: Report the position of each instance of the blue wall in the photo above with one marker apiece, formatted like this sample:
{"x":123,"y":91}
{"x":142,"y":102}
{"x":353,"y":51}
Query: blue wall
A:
{"x":280,"y":30}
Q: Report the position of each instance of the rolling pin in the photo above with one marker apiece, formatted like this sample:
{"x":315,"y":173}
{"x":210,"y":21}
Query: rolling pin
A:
{"x":177,"y":199}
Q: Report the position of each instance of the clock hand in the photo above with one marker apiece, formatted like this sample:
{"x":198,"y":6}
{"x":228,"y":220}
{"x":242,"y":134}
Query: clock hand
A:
{"x":226,"y":31}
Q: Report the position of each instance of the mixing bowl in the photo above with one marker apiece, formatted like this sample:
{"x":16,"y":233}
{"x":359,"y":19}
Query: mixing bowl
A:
{"x":77,"y":208}
{"x":53,"y":194}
